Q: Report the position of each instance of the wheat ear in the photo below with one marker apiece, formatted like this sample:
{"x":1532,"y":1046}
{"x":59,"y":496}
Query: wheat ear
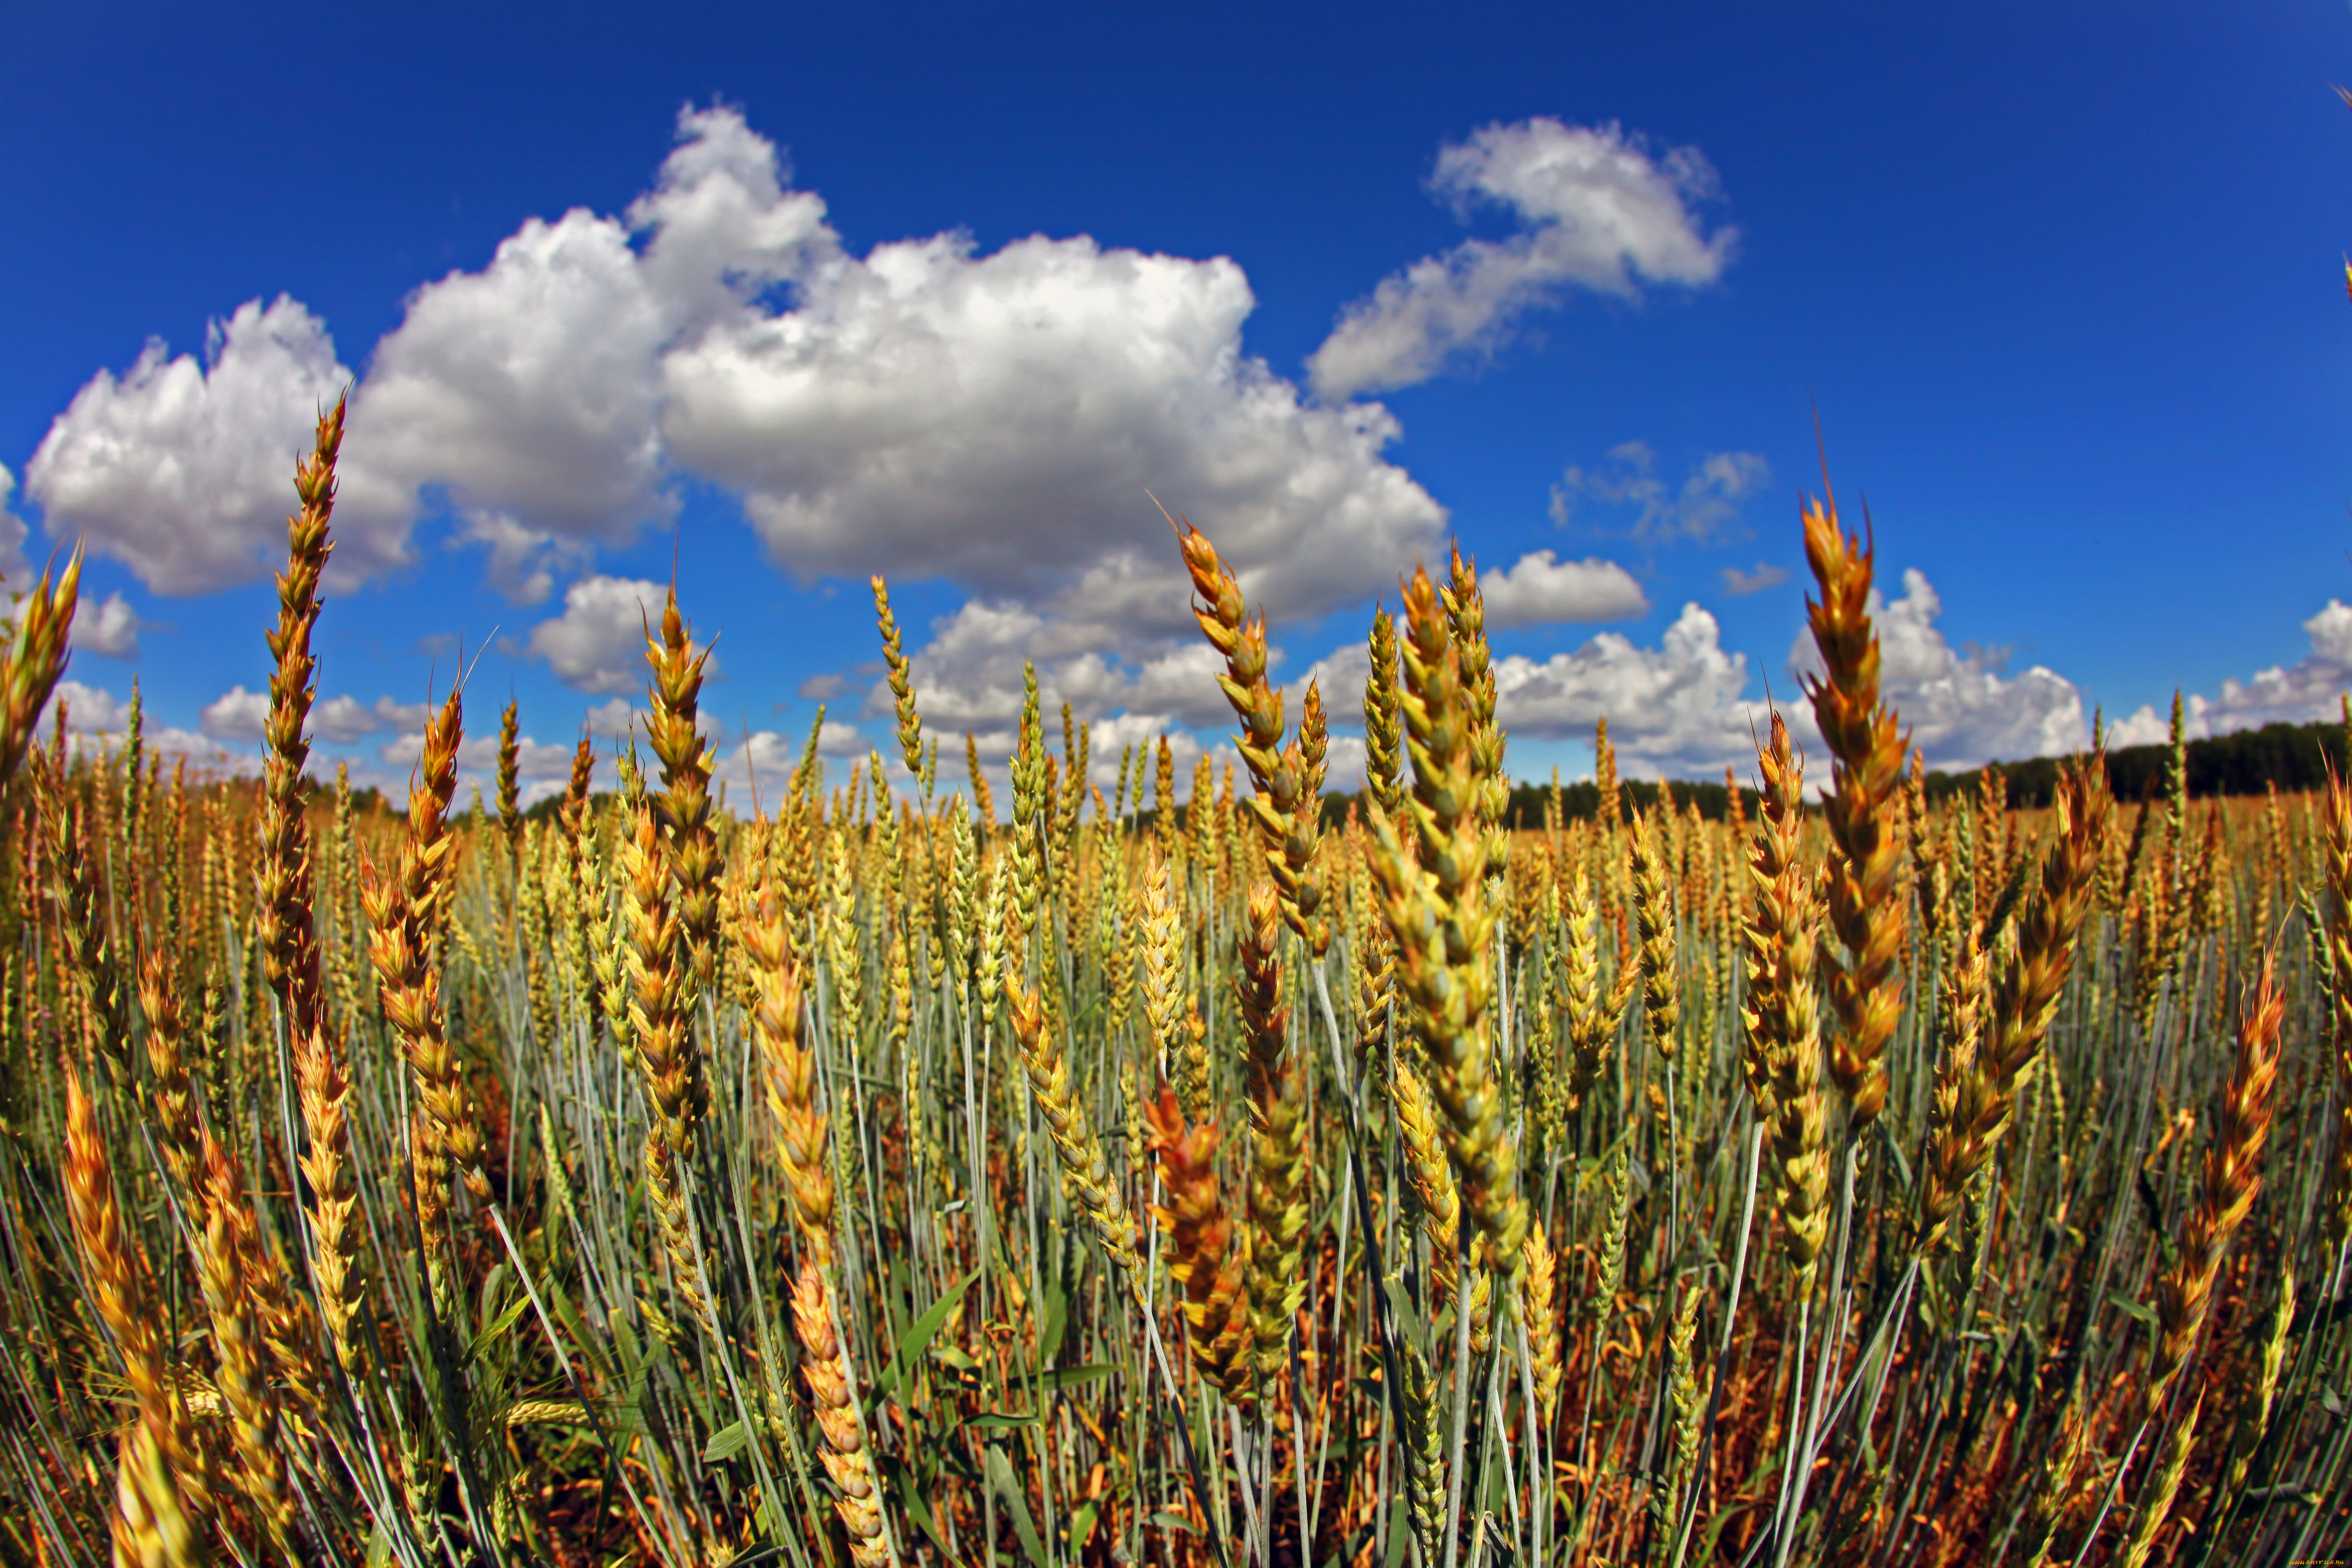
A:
{"x":1956,"y":1150}
{"x":1972,"y":1111}
{"x":1208,"y":1259}
{"x":225,"y":1271}
{"x":1287,"y":780}
{"x":1434,"y":891}
{"x":122,"y":1285}
{"x":1653,"y":927}
{"x":1465,"y":614}
{"x":902,"y":680}
{"x":2337,"y":1212}
{"x":659,"y":1018}
{"x":1383,"y":719}
{"x":404,"y":910}
{"x":789,"y":1070}
{"x":2259,"y":1390}
{"x":285,"y":896}
{"x":690,"y":844}
{"x":1593,"y":1018}
{"x":85,"y":939}
{"x":1278,"y":1163}
{"x":1865,"y":984}
{"x":826,"y":1369}
{"x":1540,"y":1309}
{"x":1781,"y":1016}
{"x":33,"y":660}
{"x":2232,"y":1179}
{"x":509,"y":782}
{"x":1080,"y":1151}
{"x":153,"y":1525}
{"x":1163,"y":976}
{"x":1430,"y":1174}
{"x":2157,"y":1506}
{"x":167,"y":1066}
{"x":1424,"y":1437}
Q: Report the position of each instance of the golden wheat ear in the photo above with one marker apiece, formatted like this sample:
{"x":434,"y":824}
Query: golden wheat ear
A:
{"x":34,"y":661}
{"x":2229,"y":1182}
{"x":1431,"y":870}
{"x":1866,"y":749}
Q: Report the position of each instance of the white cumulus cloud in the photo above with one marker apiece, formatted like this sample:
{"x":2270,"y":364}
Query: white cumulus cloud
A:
{"x":598,"y":643}
{"x":840,"y":738}
{"x":1739,"y":584}
{"x":1542,"y":591}
{"x":345,"y":719}
{"x":1107,"y":740}
{"x":1596,"y":209}
{"x":88,"y":710}
{"x":614,"y":719}
{"x":531,"y":392}
{"x":998,"y":420}
{"x":543,"y":770}
{"x":1684,"y":706}
{"x":1342,"y":674}
{"x":183,"y":469}
{"x":928,"y":409}
{"x":110,"y":626}
{"x":1677,"y":707}
{"x":1959,"y":705}
{"x":205,"y":755}
{"x":16,"y":572}
{"x":97,"y":719}
{"x":970,"y":676}
{"x":479,"y":755}
{"x":2311,"y":689}
{"x":761,"y":765}
{"x":96,"y":716}
{"x":236,"y":714}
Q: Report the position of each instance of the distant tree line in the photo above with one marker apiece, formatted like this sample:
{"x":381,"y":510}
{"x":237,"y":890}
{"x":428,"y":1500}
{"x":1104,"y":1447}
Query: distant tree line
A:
{"x":2247,"y":762}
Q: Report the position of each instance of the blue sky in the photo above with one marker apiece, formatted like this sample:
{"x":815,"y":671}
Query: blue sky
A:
{"x":2063,"y":282}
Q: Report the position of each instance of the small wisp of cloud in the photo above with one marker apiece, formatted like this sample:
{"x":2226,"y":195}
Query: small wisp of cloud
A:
{"x":1739,"y":584}
{"x":824,"y":686}
{"x":1703,"y":510}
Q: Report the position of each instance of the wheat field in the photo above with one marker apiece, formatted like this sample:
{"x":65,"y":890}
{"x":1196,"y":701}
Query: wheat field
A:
{"x":1188,"y":1178}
